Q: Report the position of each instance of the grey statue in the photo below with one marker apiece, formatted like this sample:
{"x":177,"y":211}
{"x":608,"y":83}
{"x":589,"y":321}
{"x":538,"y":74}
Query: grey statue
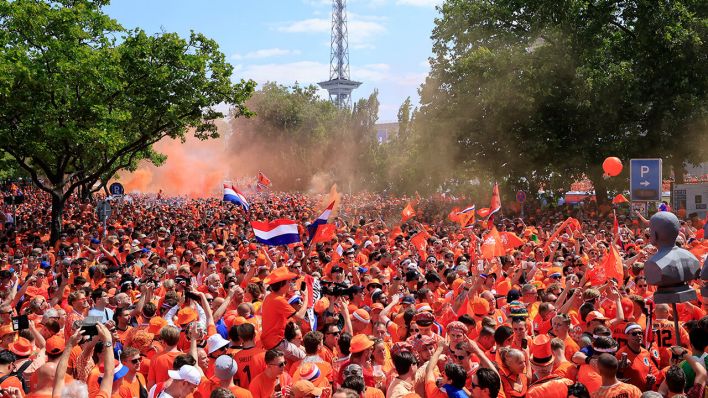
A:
{"x":671,"y":268}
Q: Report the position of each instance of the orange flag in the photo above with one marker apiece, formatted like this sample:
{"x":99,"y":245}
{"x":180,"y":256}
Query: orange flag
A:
{"x":453,"y":216}
{"x":492,"y":245}
{"x":510,"y":240}
{"x":597,"y":276}
{"x":612,"y":264}
{"x":483,"y":212}
{"x":464,"y":218}
{"x":407,"y":213}
{"x":420,"y":243}
{"x":619,"y":199}
{"x":324,"y":233}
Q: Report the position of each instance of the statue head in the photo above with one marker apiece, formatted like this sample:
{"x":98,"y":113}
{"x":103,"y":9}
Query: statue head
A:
{"x":664,"y":228}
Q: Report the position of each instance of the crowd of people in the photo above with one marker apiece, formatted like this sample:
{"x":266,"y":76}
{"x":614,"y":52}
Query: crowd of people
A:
{"x":176,"y":298}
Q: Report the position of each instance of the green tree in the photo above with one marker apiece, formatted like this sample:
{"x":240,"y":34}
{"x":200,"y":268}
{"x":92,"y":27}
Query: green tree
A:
{"x":538,"y":93}
{"x":82,"y":97}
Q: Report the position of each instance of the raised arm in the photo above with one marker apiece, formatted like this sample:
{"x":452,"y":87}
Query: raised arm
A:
{"x":63,"y":364}
{"x":108,"y":359}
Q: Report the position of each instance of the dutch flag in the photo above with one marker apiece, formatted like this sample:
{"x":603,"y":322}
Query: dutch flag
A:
{"x":322,"y":219}
{"x":276,"y":233}
{"x":467,"y":210}
{"x":231,"y":194}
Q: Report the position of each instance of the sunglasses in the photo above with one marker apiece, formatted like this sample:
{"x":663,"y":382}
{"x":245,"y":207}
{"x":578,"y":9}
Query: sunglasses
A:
{"x":334,"y":333}
{"x":636,"y":333}
{"x":136,"y":361}
{"x":279,"y":364}
{"x":460,"y":357}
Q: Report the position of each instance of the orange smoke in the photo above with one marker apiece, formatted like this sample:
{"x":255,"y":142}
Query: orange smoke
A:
{"x":194,"y":168}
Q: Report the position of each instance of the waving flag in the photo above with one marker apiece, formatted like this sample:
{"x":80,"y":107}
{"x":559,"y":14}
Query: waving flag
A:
{"x":321,"y":220}
{"x":510,"y":240}
{"x":492,"y":245}
{"x":324,"y":233}
{"x":407,"y":213}
{"x":276,"y":233}
{"x":467,"y":210}
{"x":619,"y":199}
{"x":263,"y":181}
{"x":233,"y":195}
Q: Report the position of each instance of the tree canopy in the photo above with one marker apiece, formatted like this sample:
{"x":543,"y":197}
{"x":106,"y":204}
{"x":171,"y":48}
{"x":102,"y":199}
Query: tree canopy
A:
{"x":538,"y":93}
{"x":82,"y":97}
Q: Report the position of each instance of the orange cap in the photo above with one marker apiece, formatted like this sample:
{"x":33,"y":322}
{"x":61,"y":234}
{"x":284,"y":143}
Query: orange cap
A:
{"x":359,"y":343}
{"x":480,"y":306}
{"x":156,"y":324}
{"x":361,"y":315}
{"x":321,"y":305}
{"x":55,"y":345}
{"x":186,"y":315}
{"x":278,"y":275}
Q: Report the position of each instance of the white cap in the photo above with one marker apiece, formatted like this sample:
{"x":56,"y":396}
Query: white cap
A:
{"x":215,"y":341}
{"x":187,"y":373}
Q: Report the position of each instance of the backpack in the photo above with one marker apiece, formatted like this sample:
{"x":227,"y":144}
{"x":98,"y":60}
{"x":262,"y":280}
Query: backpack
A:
{"x":19,"y":373}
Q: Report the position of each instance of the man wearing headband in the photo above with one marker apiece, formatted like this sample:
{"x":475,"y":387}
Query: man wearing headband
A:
{"x":640,"y":367}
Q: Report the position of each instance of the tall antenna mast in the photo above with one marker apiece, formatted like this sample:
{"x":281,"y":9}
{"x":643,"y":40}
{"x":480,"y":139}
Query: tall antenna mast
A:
{"x":339,"y":85}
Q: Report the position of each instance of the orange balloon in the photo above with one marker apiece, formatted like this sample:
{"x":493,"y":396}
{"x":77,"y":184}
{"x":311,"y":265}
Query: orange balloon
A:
{"x":612,"y":166}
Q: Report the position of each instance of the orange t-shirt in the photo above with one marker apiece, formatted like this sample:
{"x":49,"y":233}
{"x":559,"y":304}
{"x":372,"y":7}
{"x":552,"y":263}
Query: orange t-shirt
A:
{"x":433,"y":391}
{"x":619,"y":390}
{"x":159,"y":365}
{"x":208,"y":385}
{"x":263,"y":387}
{"x":552,"y":387}
{"x":588,"y":376}
{"x":276,"y":312}
{"x":130,"y":390}
{"x":251,"y":362}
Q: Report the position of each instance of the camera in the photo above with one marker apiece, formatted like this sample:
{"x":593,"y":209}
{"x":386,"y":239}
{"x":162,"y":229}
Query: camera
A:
{"x":331,"y":288}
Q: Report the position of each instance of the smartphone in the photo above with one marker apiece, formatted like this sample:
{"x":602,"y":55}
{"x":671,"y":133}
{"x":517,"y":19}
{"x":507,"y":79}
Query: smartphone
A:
{"x":303,"y":286}
{"x":524,"y":344}
{"x":20,"y":322}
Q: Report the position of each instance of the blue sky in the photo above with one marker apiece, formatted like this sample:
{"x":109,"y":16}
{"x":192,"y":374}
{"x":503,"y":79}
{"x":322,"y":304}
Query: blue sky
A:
{"x":288,"y":40}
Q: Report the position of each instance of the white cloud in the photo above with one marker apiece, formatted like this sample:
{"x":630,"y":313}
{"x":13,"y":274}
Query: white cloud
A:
{"x":311,"y":25}
{"x":419,"y":3}
{"x":265,"y":53}
{"x":362,"y":30}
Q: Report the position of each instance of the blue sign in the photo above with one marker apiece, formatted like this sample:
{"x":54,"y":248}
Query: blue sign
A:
{"x":116,"y":189}
{"x":645,"y":179}
{"x":521,"y":196}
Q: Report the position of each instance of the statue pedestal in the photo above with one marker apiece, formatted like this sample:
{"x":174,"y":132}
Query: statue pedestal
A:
{"x":674,"y":294}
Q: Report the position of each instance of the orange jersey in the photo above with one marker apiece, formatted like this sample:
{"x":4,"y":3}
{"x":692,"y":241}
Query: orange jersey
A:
{"x":640,"y":366}
{"x":619,"y":390}
{"x":251,"y":362}
{"x":276,"y":312}
{"x":665,"y":338}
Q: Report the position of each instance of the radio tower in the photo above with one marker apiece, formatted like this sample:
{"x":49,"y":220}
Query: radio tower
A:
{"x":339,"y":86}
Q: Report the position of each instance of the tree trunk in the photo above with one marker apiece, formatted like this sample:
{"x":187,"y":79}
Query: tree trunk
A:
{"x":56,"y":223}
{"x":678,"y":169}
{"x":598,"y":182}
